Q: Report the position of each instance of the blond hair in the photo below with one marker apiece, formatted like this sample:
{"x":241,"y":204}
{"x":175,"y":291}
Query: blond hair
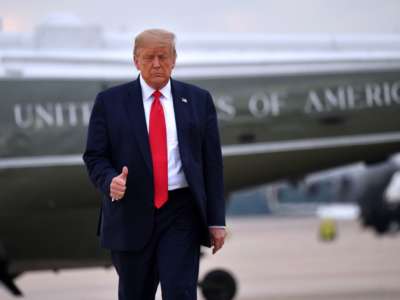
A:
{"x":154,"y":35}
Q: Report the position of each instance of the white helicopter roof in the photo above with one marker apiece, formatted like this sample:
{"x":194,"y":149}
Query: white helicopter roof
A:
{"x":66,"y":48}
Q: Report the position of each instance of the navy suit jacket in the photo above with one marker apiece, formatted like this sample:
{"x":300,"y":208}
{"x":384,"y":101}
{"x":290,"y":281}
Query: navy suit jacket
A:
{"x":117,"y":137}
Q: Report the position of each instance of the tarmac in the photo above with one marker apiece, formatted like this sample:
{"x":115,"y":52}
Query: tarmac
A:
{"x":271,"y":259}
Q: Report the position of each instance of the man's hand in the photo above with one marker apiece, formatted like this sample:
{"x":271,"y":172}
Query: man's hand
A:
{"x":118,"y":185}
{"x":217,"y":238}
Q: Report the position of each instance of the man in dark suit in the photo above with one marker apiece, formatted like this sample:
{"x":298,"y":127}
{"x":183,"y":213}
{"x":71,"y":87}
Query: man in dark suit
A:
{"x":153,"y":150}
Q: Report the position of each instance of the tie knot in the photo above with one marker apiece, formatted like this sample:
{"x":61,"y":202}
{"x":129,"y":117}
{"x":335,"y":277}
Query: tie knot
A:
{"x":157,"y":94}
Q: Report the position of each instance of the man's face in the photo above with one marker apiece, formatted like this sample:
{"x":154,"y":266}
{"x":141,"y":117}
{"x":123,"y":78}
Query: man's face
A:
{"x":155,"y":62}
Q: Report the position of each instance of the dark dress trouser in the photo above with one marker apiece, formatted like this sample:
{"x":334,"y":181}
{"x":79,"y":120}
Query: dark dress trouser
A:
{"x":171,"y":257}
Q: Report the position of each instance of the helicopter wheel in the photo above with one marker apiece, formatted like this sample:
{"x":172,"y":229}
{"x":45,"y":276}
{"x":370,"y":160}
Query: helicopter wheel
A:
{"x":218,"y":285}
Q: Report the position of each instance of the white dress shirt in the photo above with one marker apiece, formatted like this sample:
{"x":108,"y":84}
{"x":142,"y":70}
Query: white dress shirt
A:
{"x":176,"y":176}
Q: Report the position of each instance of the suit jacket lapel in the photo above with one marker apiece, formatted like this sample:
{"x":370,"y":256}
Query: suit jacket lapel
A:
{"x":182,"y":116}
{"x":135,"y":109}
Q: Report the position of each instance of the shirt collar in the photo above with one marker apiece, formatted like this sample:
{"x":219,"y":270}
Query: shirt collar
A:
{"x":147,"y":91}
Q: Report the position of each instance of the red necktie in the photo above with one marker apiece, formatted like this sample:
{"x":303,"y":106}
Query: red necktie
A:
{"x":158,"y":145}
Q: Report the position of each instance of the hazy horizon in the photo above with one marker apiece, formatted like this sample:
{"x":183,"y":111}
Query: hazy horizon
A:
{"x":224,"y":16}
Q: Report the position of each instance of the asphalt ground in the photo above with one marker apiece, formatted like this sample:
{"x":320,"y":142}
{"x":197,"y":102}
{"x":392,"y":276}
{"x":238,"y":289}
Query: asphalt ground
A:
{"x":271,"y":259}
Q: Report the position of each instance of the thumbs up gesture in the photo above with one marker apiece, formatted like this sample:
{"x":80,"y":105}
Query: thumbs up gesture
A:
{"x":118,"y":185}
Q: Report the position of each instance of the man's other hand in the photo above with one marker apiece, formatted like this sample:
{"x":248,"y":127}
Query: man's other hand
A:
{"x":217,"y":238}
{"x":118,"y":185}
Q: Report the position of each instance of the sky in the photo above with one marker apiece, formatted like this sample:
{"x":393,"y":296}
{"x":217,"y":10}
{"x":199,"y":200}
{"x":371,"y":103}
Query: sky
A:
{"x":213,"y":16}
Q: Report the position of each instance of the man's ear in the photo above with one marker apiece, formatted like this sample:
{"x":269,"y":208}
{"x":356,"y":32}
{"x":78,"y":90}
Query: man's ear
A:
{"x":136,"y":61}
{"x":173,"y":64}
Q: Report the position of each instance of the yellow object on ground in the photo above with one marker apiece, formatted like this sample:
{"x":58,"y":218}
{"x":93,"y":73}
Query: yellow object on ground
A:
{"x":327,"y":230}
